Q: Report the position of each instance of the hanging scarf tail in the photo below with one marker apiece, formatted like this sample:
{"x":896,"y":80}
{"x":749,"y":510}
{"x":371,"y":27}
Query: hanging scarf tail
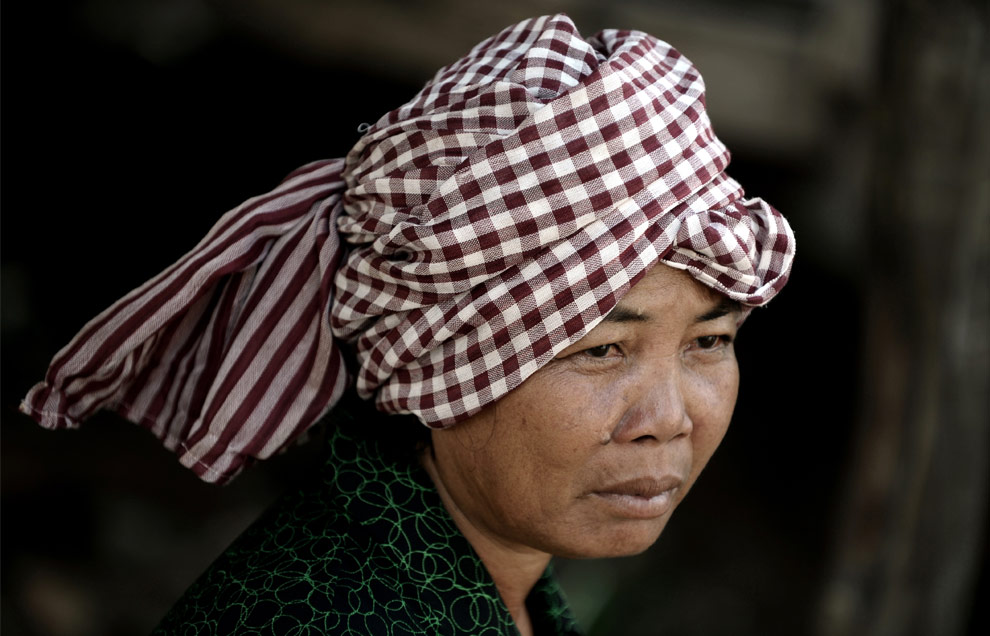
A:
{"x":236,"y":331}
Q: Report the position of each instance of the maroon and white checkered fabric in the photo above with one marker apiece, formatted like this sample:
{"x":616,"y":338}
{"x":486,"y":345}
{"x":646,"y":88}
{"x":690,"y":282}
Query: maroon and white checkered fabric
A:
{"x":469,"y":237}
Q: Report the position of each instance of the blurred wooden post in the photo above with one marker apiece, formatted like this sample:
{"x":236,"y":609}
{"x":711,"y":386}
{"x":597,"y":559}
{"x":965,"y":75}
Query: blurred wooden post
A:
{"x":912,"y":523}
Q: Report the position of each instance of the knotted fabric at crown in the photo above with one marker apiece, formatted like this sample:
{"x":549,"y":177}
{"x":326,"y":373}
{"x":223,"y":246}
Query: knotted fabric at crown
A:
{"x":468,"y":237}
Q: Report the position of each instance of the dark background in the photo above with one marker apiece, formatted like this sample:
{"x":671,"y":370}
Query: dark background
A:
{"x":130,"y":126}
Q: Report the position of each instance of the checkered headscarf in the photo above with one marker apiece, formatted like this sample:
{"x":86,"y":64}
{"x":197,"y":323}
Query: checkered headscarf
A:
{"x":468,"y":237}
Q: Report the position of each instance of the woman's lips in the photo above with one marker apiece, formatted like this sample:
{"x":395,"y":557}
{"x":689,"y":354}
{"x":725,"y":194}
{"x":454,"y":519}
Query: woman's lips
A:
{"x":642,"y":498}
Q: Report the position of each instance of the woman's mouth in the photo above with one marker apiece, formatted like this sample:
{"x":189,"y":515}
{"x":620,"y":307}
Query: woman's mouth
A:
{"x":642,"y":498}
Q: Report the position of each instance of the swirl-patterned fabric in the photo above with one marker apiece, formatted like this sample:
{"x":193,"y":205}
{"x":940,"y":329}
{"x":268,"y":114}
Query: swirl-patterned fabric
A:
{"x":469,"y":237}
{"x":365,"y":547}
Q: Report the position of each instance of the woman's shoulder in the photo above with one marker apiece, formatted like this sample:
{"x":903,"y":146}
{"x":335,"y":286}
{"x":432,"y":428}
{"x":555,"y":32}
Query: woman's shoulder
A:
{"x":289,"y":569}
{"x":364,"y":547}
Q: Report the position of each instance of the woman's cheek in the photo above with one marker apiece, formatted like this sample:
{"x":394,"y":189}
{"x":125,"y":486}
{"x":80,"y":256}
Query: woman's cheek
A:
{"x":714,"y":403}
{"x":586,"y":407}
{"x":713,"y":390}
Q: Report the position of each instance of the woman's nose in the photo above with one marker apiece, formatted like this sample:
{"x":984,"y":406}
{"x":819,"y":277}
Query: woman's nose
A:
{"x":656,"y":409}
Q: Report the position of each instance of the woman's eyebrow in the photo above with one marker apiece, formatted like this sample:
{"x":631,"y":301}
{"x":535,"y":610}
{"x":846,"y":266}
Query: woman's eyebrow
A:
{"x":725,"y":307}
{"x":622,"y":314}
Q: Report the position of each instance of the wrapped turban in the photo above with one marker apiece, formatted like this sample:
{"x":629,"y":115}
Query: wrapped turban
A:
{"x":468,"y":237}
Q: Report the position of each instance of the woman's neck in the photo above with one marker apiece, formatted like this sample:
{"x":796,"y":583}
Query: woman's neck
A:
{"x":514,"y":569}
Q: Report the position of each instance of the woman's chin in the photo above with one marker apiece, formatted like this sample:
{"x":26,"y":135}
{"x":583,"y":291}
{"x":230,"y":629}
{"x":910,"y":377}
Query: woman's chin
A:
{"x":630,"y":540}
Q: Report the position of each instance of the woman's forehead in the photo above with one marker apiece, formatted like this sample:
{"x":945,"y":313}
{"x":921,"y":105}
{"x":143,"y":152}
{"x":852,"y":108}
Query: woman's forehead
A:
{"x":662,"y":286}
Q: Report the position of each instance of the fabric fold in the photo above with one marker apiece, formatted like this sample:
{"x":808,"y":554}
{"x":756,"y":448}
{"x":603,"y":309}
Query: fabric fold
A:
{"x":201,"y":354}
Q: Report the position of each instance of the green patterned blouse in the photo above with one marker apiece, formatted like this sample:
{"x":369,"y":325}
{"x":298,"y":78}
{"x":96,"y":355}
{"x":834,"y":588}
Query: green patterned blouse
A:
{"x":366,"y":548}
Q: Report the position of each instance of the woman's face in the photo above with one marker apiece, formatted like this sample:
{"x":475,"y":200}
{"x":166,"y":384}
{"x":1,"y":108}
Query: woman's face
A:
{"x":591,"y":454}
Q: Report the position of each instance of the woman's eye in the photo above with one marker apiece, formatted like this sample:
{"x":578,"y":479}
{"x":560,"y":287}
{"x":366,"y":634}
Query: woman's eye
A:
{"x":711,"y":342}
{"x":600,"y":351}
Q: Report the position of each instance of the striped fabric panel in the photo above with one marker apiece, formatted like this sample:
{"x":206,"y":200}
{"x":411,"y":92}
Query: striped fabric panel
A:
{"x":196,"y":355}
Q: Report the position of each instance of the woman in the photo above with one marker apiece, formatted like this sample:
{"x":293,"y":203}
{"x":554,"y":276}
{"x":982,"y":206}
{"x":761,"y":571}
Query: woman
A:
{"x":485,"y":259}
